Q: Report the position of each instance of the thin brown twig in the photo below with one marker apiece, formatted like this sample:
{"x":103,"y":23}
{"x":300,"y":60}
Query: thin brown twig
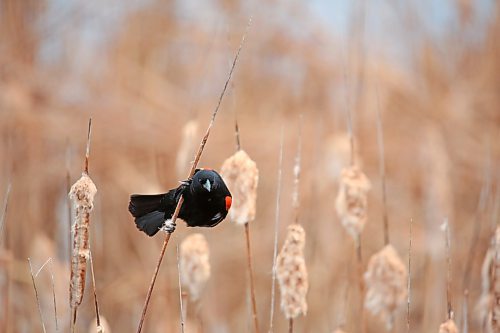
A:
{"x":236,"y":126}
{"x":191,"y":173}
{"x":180,"y":289}
{"x":276,"y":229}
{"x":251,"y":277}
{"x":87,"y":150}
{"x":4,"y":210}
{"x":36,"y":296}
{"x":96,"y":304}
{"x":380,"y":140}
{"x":290,"y":325}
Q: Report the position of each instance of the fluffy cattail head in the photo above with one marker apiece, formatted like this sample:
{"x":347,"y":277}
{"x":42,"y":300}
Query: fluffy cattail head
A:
{"x":241,"y":176}
{"x":194,"y":264}
{"x":386,"y":279}
{"x":352,"y":200}
{"x":448,"y":326}
{"x":292,"y":273}
{"x":488,"y":306}
{"x":82,"y":193}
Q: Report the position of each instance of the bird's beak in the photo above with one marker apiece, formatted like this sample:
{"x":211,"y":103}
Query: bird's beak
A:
{"x":207,"y":185}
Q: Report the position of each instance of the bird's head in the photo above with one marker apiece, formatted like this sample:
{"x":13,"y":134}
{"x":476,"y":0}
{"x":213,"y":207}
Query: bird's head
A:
{"x":204,"y":181}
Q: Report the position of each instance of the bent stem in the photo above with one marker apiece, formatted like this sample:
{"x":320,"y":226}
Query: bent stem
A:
{"x":191,"y":173}
{"x":153,"y":280}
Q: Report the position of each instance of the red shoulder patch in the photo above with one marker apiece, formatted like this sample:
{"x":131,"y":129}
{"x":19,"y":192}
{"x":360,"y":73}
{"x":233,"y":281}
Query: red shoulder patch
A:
{"x":229,"y":201}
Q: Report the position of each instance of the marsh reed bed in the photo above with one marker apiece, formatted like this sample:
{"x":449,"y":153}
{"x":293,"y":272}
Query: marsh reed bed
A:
{"x":150,"y":88}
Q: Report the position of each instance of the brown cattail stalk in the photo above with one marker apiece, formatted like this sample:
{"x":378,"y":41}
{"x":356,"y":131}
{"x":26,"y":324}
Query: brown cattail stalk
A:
{"x":4,"y":211}
{"x":446,"y":229}
{"x":276,"y":229}
{"x":180,"y":290}
{"x":292,"y":273}
{"x":96,"y":304}
{"x":242,"y":176}
{"x":82,"y":194}
{"x":191,"y":173}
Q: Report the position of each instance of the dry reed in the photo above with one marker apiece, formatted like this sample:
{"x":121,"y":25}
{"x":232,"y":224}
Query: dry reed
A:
{"x":292,"y":273}
{"x":386,"y":280}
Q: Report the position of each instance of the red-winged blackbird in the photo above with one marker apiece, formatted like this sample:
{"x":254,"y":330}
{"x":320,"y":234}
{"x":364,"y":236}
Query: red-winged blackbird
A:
{"x":206,"y":203}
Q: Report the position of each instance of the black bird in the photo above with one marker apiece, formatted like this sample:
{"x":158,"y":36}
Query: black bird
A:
{"x":206,"y":203}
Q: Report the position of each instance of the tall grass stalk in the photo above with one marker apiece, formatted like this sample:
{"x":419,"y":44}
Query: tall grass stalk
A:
{"x":36,"y":295}
{"x":180,"y":289}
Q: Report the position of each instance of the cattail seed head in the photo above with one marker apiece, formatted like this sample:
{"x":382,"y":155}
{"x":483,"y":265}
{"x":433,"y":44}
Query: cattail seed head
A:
{"x":386,"y":279}
{"x":448,"y":326}
{"x":292,"y":273}
{"x":352,"y":200}
{"x":241,"y":176}
{"x":82,"y":193}
{"x":194,"y":264}
{"x":489,"y":304}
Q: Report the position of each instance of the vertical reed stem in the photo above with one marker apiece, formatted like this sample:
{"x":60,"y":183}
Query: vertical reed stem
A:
{"x":251,"y":277}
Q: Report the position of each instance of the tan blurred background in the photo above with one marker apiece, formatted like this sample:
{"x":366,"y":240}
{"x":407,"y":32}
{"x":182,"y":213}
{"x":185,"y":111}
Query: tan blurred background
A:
{"x":142,"y":70}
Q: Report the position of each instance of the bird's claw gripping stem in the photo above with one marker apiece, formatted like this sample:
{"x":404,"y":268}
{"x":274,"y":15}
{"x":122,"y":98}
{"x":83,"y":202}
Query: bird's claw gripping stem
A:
{"x":168,"y":226}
